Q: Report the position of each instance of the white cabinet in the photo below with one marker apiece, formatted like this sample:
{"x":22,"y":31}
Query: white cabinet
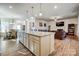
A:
{"x":26,"y":40}
{"x":20,"y":37}
{"x":36,"y":48}
{"x":31,"y":45}
{"x":23,"y":38}
{"x":34,"y":44}
{"x":41,"y":46}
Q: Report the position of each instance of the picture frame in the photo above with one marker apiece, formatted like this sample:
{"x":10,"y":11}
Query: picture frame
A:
{"x":40,"y":24}
{"x":44,"y":24}
{"x":33,"y":24}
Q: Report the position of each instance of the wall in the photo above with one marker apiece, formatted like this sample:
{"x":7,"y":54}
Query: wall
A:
{"x":66,"y":22}
{"x":52,"y":23}
{"x":78,"y":27}
{"x":37,"y":24}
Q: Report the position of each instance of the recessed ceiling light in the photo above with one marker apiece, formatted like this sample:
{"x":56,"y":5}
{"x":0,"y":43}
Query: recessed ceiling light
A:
{"x":55,"y":7}
{"x":10,"y":7}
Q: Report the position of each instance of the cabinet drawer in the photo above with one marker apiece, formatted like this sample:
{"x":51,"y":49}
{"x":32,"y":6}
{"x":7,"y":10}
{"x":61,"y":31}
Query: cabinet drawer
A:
{"x":35,"y":41}
{"x":34,"y":37}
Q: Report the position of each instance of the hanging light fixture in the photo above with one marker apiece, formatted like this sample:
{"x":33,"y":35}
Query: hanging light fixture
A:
{"x":27,"y":13}
{"x":40,"y":14}
{"x":32,"y":13}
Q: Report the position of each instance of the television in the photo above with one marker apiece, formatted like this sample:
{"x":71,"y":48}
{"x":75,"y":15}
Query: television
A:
{"x":59,"y":23}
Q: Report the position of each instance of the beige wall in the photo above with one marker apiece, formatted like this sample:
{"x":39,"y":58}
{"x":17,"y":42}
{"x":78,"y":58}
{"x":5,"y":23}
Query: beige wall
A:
{"x":66,"y":22}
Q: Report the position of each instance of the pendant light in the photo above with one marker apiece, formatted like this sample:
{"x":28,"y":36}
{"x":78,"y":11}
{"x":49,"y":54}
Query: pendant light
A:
{"x":40,"y":13}
{"x":27,"y":15}
{"x":32,"y":13}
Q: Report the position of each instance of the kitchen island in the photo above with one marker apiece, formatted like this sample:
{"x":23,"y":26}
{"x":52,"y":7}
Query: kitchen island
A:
{"x":39,"y":43}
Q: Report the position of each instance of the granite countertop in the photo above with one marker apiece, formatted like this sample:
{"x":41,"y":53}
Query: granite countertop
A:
{"x":41,"y":33}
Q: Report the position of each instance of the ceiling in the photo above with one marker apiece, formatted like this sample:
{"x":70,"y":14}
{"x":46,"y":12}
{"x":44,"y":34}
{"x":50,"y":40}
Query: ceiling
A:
{"x":19,"y":10}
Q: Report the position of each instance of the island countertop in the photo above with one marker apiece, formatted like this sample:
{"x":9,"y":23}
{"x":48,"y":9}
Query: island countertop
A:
{"x":41,"y":33}
{"x":39,"y":43}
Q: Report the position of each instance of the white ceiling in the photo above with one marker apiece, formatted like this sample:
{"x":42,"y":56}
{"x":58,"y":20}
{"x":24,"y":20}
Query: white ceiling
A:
{"x":19,"y":10}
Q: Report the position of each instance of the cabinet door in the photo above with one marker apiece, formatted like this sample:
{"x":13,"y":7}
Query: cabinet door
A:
{"x":26,"y":40}
{"x":36,"y":48}
{"x":21,"y":37}
{"x":31,"y":45}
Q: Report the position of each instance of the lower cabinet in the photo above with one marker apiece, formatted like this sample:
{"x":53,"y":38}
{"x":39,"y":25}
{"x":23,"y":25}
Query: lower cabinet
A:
{"x":36,"y":49}
{"x":26,"y":40}
{"x":39,"y":45}
{"x":31,"y":46}
{"x":21,"y":37}
{"x":34,"y":45}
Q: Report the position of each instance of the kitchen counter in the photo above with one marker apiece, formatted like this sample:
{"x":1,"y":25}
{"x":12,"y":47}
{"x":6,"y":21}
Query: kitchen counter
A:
{"x":40,"y":33}
{"x":39,"y":43}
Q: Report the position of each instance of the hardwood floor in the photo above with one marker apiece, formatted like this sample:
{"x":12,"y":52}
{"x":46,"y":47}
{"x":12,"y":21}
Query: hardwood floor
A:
{"x":67,"y":47}
{"x":10,"y":48}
